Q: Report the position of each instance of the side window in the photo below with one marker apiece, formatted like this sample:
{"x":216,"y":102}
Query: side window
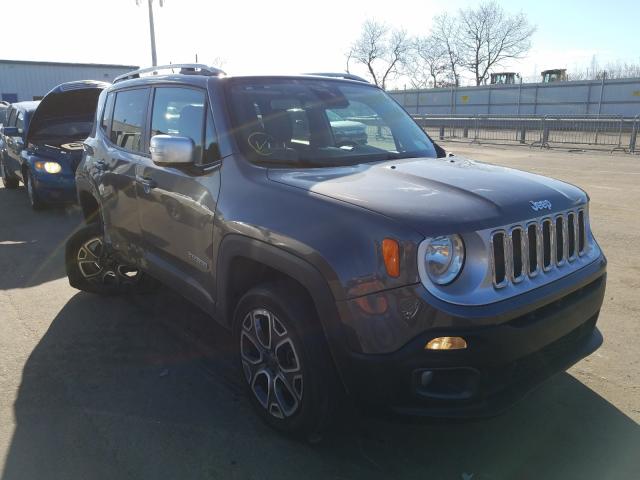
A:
{"x":11,"y":119}
{"x":107,"y":113}
{"x":20,"y":123}
{"x":179,"y":112}
{"x":129,"y":118}
{"x":211,"y":149}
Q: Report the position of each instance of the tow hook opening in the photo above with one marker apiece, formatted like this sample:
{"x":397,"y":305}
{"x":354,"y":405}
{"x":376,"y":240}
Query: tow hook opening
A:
{"x":447,"y":383}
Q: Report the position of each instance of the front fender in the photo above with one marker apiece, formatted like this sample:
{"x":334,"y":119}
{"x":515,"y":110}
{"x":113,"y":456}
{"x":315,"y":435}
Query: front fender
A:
{"x":234,"y":246}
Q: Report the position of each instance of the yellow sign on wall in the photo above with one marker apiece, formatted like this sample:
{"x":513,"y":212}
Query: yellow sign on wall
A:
{"x":465,"y":98}
{"x":636,"y":93}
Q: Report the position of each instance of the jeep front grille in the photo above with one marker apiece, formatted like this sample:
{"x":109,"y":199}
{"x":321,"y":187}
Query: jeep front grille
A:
{"x":537,"y":247}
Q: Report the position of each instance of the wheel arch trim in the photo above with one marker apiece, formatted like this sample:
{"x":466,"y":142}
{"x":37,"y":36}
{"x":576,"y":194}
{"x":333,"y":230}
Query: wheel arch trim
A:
{"x":234,"y":246}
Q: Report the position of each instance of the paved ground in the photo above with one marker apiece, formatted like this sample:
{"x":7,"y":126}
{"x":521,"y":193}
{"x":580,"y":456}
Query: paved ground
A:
{"x":119,"y":388}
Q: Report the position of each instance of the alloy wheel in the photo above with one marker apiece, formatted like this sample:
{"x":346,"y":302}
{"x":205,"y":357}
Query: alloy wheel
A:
{"x":97,"y":267}
{"x":271,"y":363}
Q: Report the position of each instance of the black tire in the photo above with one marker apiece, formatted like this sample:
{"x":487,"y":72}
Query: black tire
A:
{"x":8,"y":181}
{"x":34,"y":199}
{"x":91,"y":269}
{"x":316,"y":392}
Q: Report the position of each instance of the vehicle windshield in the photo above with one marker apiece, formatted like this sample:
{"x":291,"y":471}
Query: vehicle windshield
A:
{"x":322,"y":122}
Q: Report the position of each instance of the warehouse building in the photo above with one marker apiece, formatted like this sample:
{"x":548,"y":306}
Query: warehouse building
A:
{"x":23,"y":80}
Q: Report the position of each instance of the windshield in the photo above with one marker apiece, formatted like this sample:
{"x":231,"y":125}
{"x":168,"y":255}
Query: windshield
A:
{"x":295,"y":121}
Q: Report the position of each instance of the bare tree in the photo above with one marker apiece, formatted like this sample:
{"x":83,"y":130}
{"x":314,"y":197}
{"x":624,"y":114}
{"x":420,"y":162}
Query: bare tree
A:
{"x":611,"y":70}
{"x":622,"y":70}
{"x":381,"y":50}
{"x":488,"y":36}
{"x":446,"y":32}
{"x":427,"y":63}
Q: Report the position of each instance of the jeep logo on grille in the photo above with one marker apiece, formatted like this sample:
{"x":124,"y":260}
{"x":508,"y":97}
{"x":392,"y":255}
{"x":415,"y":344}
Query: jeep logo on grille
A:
{"x":540,"y":205}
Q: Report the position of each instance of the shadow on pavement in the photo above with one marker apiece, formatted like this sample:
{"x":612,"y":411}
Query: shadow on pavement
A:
{"x":29,"y":238}
{"x":145,"y":387}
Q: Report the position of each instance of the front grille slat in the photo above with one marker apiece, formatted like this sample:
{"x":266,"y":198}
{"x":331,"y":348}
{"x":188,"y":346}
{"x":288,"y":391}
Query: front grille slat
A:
{"x":560,"y":240}
{"x":532,"y":237}
{"x":499,"y":259}
{"x":581,"y":232}
{"x":547,"y":244}
{"x":517,"y":254}
{"x":524,"y":251}
{"x":572,"y":228}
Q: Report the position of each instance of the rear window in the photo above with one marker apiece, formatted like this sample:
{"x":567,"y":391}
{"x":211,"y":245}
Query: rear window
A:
{"x":107,"y":113}
{"x":129,"y":118}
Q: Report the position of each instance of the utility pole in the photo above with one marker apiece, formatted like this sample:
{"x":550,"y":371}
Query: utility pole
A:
{"x":152,"y":32}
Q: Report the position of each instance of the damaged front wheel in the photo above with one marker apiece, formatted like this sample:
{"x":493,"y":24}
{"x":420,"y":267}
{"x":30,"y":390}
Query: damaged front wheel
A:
{"x":92,"y":268}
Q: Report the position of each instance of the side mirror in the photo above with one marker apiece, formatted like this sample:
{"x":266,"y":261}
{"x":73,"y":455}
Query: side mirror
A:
{"x":168,"y":150}
{"x":9,"y":131}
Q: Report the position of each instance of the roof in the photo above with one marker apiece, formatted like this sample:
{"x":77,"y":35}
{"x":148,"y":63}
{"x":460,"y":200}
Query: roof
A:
{"x":67,"y":64}
{"x":28,"y":106}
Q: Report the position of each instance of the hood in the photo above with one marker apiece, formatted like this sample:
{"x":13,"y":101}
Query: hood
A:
{"x":438,"y":195}
{"x":71,"y":100}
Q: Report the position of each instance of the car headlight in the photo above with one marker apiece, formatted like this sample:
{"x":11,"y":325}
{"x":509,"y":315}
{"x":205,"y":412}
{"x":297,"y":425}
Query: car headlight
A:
{"x":444,"y":257}
{"x":49,"y":167}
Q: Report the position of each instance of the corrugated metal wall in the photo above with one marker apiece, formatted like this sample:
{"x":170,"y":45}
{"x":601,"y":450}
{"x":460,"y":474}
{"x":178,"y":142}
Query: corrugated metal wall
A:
{"x":29,"y":80}
{"x":611,"y":97}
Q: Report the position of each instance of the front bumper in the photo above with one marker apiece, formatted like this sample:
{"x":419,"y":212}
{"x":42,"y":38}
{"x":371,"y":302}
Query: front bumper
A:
{"x":55,"y":189}
{"x":511,"y":348}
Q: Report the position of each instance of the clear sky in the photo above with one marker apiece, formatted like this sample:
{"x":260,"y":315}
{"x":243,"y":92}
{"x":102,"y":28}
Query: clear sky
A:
{"x":293,"y":36}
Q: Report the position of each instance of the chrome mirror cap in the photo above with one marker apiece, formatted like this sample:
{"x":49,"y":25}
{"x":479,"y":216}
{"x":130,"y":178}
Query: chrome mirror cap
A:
{"x":168,"y":150}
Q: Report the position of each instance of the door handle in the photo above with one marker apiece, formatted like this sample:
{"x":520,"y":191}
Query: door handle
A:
{"x":147,"y":183}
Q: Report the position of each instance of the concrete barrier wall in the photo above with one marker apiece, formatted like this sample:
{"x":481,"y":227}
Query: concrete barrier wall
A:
{"x":593,"y":97}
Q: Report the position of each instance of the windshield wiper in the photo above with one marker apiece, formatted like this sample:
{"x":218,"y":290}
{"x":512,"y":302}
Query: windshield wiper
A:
{"x":400,"y":156}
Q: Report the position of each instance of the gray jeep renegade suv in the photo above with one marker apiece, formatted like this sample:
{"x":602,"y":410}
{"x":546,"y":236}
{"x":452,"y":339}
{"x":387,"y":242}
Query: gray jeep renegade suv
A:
{"x":380,"y":268}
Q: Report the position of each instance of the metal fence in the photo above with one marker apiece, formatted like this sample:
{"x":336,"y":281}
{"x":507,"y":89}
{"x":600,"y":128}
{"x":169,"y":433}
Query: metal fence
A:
{"x":610,"y":132}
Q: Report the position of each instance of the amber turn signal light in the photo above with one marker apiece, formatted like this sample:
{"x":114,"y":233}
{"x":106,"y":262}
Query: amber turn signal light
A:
{"x":391,"y":255}
{"x":446,"y":343}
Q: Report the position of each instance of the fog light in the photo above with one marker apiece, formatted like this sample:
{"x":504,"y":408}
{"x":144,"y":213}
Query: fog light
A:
{"x":446,"y":343}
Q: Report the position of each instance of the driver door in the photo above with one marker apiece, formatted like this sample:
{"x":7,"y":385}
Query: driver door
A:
{"x":177,"y":205}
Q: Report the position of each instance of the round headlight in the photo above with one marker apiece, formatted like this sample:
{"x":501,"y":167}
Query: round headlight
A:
{"x":52,"y":167}
{"x":444,"y":258}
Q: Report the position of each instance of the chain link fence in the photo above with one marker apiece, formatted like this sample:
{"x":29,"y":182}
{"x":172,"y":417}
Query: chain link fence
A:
{"x":597,"y":132}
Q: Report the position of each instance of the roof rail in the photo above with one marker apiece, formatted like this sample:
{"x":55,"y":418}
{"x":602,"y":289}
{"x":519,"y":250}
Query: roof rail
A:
{"x":347,"y":76}
{"x":185,"y":68}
